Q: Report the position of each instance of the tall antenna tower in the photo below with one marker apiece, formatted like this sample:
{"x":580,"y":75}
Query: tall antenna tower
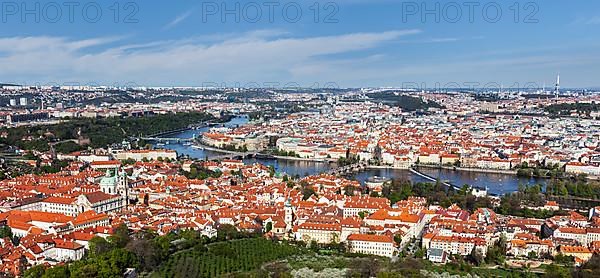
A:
{"x":557,"y":86}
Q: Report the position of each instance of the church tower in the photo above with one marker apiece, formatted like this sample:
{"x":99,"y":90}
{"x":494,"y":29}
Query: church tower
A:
{"x":123,"y":186}
{"x":289,"y":215}
{"x":115,"y":183}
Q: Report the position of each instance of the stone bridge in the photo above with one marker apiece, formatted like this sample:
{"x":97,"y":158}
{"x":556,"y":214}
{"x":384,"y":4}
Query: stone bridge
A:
{"x":348,"y":169}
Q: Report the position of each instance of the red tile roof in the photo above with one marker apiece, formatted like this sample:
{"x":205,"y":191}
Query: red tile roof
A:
{"x":371,"y":238}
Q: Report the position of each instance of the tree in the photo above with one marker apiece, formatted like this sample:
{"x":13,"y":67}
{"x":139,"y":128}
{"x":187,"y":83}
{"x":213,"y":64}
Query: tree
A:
{"x":193,"y":172}
{"x":589,"y":269}
{"x":495,"y":255}
{"x":502,"y":243}
{"x":532,"y":255}
{"x":6,"y":232}
{"x":163,"y":245}
{"x":398,"y":238}
{"x":99,"y":246}
{"x":278,"y":270}
{"x":477,"y":257}
{"x":121,"y":236}
{"x":290,"y":184}
{"x":56,"y":272}
{"x":556,"y":271}
{"x":565,"y":260}
{"x":227,"y":232}
{"x":35,"y":272}
{"x":409,"y":267}
{"x":114,"y":263}
{"x":349,"y":190}
{"x":81,"y":269}
{"x":146,"y":251}
{"x":314,"y":246}
{"x":420,"y":253}
{"x":307,"y":191}
{"x":368,"y":267}
{"x":271,"y":171}
{"x":464,"y":190}
{"x":67,"y":147}
{"x":269,"y":227}
{"x":335,"y":239}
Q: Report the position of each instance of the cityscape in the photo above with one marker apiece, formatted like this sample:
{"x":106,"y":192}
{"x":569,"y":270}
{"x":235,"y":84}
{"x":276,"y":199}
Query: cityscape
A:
{"x":401,"y":167}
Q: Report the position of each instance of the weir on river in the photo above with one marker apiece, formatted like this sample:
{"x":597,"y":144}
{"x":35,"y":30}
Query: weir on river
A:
{"x":412,"y":170}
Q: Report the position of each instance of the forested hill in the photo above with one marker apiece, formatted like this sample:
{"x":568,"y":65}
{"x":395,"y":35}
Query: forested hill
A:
{"x":407,"y":103}
{"x":101,"y":132}
{"x":583,"y":109}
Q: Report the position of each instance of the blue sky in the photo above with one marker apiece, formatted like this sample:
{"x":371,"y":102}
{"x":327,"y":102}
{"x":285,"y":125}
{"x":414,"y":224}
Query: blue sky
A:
{"x":351,"y":43}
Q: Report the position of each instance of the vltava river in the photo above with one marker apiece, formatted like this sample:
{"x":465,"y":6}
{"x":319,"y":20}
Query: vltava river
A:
{"x":496,"y":183}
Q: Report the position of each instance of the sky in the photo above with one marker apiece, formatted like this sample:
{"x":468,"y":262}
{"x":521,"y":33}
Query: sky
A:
{"x":308,"y":43}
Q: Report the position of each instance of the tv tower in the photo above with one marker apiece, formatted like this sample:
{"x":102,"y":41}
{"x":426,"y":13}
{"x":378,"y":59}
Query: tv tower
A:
{"x":557,"y":86}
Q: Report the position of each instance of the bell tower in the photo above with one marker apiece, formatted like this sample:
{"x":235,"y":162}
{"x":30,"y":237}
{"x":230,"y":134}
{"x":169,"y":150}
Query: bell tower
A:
{"x":123,"y":186}
{"x":289,"y":215}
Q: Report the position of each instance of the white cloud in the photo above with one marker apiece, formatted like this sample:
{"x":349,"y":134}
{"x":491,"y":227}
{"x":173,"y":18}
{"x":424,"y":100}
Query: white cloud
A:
{"x":265,"y":56}
{"x":178,"y":19}
{"x":258,"y":56}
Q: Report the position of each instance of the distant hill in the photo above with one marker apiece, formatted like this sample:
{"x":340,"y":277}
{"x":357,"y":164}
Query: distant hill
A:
{"x":8,"y":84}
{"x":407,"y":103}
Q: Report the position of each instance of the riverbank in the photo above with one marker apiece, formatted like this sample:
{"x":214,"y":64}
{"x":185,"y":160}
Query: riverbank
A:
{"x":490,"y":171}
{"x":385,"y":167}
{"x":476,"y":170}
{"x":201,"y":146}
{"x":197,"y":145}
{"x":318,"y":160}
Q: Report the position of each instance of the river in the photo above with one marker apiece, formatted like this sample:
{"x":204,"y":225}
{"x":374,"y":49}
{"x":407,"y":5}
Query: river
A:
{"x":496,"y":183}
